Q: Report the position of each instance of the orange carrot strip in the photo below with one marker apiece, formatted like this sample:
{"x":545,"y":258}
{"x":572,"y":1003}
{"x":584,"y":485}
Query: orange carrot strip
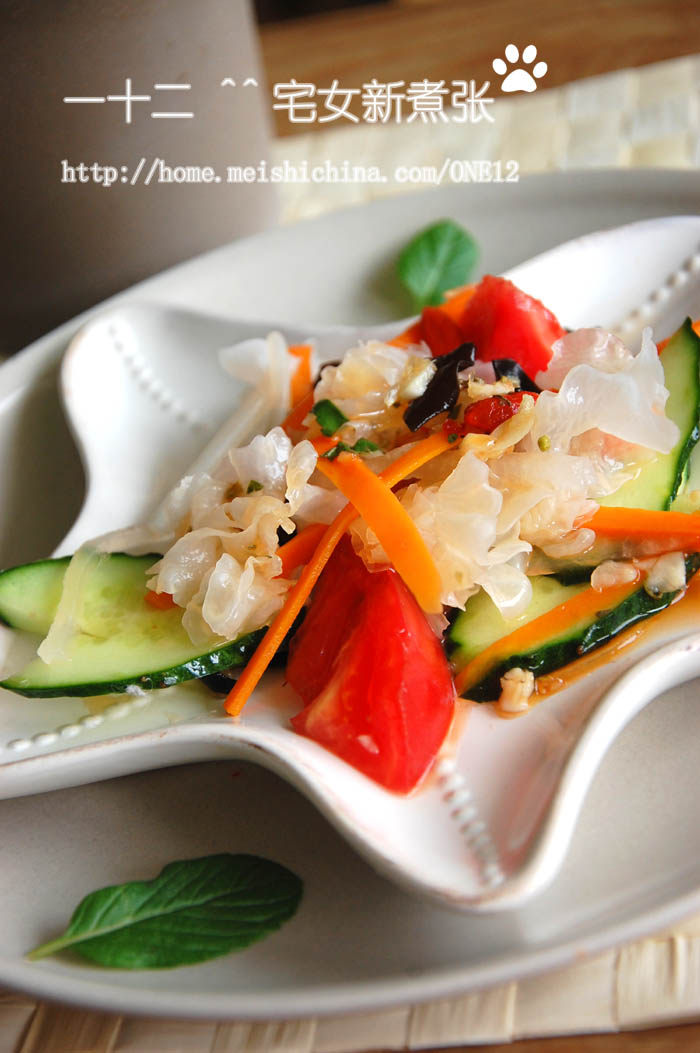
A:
{"x":412,"y":335}
{"x":386,"y":516}
{"x":301,"y":548}
{"x":454,"y":305}
{"x":295,"y":418}
{"x":300,"y":384}
{"x":323,"y":443}
{"x":161,"y":601}
{"x":408,"y":462}
{"x":548,"y":626}
{"x":415,"y":457}
{"x":641,"y":523}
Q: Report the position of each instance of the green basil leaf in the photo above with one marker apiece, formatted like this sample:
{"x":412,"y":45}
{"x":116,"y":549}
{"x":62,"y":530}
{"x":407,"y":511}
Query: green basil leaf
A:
{"x":329,"y":417}
{"x":194,"y":910}
{"x":439,"y":258}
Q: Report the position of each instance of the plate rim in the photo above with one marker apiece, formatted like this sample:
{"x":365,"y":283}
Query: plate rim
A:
{"x":21,"y":371}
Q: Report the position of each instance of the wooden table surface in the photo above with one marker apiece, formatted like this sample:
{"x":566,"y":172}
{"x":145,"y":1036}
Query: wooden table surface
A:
{"x":453,"y":39}
{"x":660,"y":1040}
{"x":458,"y":39}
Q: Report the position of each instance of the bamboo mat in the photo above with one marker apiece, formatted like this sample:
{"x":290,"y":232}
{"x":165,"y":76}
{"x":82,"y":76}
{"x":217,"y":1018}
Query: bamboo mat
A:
{"x":650,"y":983}
{"x":648,"y":116}
{"x":632,"y":118}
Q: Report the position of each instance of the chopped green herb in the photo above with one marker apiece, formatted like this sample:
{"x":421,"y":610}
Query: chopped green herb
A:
{"x":196,"y":909}
{"x":365,"y":446}
{"x":361,"y":446}
{"x":329,"y":417}
{"x":439,"y":258}
{"x":254,"y":485}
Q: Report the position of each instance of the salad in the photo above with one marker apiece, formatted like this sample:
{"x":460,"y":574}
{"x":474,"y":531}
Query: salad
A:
{"x":454,"y":513}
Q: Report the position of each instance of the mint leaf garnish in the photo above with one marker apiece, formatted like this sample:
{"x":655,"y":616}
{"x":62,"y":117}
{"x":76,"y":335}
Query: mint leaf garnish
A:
{"x":194,"y":910}
{"x":439,"y":258}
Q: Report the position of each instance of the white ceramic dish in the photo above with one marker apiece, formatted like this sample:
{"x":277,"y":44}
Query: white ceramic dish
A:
{"x":459,"y":840}
{"x":495,"y":958}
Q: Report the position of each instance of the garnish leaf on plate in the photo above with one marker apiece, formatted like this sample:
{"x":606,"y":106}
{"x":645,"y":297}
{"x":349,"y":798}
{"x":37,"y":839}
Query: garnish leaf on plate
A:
{"x":196,"y":909}
{"x":439,"y":258}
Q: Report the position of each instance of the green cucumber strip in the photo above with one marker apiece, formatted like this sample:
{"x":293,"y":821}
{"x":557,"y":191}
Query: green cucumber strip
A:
{"x":661,"y":480}
{"x":688,"y":500}
{"x":122,"y":641}
{"x":481,"y":623}
{"x":21,"y":606}
{"x":576,"y":640}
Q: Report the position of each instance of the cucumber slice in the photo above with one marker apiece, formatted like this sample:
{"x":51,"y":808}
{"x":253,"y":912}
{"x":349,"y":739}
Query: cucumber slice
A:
{"x":122,"y":641}
{"x":661,"y":480}
{"x":469,"y":637}
{"x":688,"y":499}
{"x":21,"y":605}
{"x":481,"y":623}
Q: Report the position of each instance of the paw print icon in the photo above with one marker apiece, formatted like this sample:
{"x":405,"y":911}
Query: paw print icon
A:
{"x":519,"y":78}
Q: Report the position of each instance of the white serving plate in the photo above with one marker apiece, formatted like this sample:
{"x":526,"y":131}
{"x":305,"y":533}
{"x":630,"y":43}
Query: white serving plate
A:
{"x":358,"y":945}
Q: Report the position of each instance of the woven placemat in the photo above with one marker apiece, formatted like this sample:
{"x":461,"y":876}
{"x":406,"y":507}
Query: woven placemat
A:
{"x":631,"y":118}
{"x":651,"y":982}
{"x":641,"y":117}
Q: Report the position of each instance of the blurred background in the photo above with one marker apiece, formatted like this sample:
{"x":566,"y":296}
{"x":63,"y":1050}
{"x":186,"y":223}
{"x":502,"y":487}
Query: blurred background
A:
{"x":621,"y":88}
{"x":354,"y":40}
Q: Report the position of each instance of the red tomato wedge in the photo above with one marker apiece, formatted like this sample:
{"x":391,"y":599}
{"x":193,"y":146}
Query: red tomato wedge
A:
{"x":315,"y":645}
{"x":505,"y":322}
{"x":377,"y":685}
{"x":439,"y":331}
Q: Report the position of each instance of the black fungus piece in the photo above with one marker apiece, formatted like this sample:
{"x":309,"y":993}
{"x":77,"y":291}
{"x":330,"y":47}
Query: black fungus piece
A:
{"x":442,"y":392}
{"x":219,"y":683}
{"x":465,"y":353}
{"x":283,"y":537}
{"x":512,"y":370}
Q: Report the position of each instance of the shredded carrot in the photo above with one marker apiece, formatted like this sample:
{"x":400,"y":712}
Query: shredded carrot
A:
{"x":295,"y":418}
{"x":408,"y":462}
{"x":415,"y":457}
{"x":682,"y":528}
{"x":301,"y":548}
{"x":323,"y":443}
{"x":386,"y":516}
{"x":548,"y":626}
{"x":161,"y":601}
{"x":300,"y":384}
{"x":412,"y":335}
{"x":454,"y":305}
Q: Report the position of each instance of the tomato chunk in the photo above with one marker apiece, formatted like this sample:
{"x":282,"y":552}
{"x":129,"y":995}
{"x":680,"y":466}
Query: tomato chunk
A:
{"x":315,"y":645}
{"x":505,"y":322}
{"x":377,"y":685}
{"x":440,"y":332}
